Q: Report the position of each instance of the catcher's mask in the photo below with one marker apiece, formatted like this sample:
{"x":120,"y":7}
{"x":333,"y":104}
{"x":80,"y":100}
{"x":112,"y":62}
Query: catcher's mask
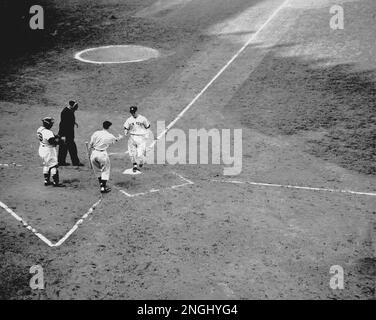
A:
{"x":48,"y":122}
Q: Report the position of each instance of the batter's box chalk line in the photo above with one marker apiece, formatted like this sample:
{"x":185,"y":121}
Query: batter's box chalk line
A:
{"x":131,"y":172}
{"x":41,"y":236}
{"x":273,"y":185}
{"x":186,"y":183}
{"x":9,"y":165}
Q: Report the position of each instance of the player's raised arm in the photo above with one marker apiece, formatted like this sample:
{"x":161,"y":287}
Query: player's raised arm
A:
{"x":92,"y":141}
{"x":126,"y":128}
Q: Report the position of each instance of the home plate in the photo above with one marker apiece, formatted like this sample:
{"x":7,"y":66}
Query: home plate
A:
{"x":130,"y":171}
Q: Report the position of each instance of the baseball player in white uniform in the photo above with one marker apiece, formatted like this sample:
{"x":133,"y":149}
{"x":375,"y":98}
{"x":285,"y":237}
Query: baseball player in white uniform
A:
{"x":48,"y":153}
{"x":137,"y":127}
{"x":99,"y":142}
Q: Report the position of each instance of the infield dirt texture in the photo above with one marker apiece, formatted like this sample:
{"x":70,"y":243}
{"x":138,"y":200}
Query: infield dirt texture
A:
{"x":303,"y":94}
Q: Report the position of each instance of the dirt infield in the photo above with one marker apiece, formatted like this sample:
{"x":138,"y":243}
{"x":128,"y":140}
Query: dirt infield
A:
{"x":303,"y":95}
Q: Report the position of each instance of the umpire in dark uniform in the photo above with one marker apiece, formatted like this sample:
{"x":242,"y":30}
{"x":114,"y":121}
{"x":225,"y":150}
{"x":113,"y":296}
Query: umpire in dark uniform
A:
{"x":66,"y":129}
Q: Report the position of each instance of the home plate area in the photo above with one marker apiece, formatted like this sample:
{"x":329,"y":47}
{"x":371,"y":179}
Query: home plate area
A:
{"x":152,"y":180}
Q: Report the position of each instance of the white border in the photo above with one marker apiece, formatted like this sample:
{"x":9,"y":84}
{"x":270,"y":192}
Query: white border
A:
{"x":78,"y":55}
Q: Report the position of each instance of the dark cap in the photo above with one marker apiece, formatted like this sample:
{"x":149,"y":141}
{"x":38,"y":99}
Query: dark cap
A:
{"x":73,"y":104}
{"x":107,"y":124}
{"x":132,"y":109}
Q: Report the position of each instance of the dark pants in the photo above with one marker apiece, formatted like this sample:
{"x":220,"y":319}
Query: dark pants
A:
{"x":70,"y":146}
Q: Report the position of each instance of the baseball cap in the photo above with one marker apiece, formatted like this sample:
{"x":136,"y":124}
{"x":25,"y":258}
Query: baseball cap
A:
{"x":73,"y":103}
{"x":133,"y":109}
{"x":107,"y":124}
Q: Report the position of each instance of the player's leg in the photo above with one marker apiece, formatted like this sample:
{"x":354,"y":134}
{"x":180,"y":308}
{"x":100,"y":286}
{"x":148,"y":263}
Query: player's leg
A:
{"x":141,"y":151}
{"x":95,"y":162}
{"x":46,"y":170}
{"x":72,"y":148}
{"x":132,"y":149}
{"x":98,"y":162}
{"x":53,"y":167}
{"x":47,"y":174}
{"x":62,"y":156}
{"x":105,"y":174}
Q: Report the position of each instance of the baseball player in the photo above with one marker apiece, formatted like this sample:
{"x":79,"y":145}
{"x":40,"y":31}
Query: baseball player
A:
{"x":48,"y":153}
{"x":99,"y":142}
{"x":137,"y":126}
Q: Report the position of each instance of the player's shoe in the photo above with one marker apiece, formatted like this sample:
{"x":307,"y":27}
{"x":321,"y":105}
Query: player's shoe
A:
{"x":79,"y":164}
{"x":105,"y":189}
{"x":64,"y":164}
{"x":48,"y":183}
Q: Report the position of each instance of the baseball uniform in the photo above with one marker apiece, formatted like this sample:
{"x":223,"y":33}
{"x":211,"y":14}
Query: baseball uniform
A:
{"x":47,"y":151}
{"x":99,"y":142}
{"x":137,"y":128}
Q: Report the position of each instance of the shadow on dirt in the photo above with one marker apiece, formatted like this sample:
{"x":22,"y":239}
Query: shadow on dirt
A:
{"x":27,"y":56}
{"x":285,"y":95}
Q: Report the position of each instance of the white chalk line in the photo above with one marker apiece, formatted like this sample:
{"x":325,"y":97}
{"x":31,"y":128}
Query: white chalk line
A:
{"x":75,"y":227}
{"x":41,"y":236}
{"x":219,"y":73}
{"x":25,"y":224}
{"x":78,"y":55}
{"x":187,"y":182}
{"x":10,"y":165}
{"x":252,"y":38}
{"x":372,"y":194}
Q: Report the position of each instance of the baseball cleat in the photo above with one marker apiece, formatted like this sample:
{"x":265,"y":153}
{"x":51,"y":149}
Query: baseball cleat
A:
{"x":105,"y":189}
{"x":48,"y":183}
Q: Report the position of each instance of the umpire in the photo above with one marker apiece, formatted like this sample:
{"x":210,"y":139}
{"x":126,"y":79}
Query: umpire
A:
{"x":66,"y":129}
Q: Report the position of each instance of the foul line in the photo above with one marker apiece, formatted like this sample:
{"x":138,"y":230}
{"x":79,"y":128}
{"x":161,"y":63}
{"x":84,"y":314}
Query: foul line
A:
{"x":180,"y":115}
{"x":75,"y":227}
{"x":10,"y":165}
{"x":372,"y":194}
{"x":25,"y":224}
{"x":42,"y":237}
{"x":221,"y":71}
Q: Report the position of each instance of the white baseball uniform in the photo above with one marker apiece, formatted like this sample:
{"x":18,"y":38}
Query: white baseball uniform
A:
{"x":137,"y":128}
{"x":47,"y":151}
{"x":99,"y":142}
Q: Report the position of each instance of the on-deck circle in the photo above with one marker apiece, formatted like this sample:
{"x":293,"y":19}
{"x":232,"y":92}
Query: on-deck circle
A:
{"x":116,"y":54}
